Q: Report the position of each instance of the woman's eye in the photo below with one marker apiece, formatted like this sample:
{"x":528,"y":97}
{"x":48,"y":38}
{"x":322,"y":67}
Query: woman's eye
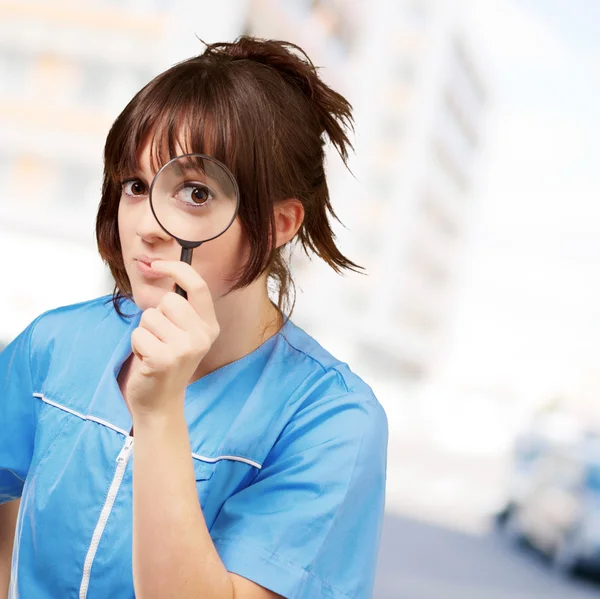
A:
{"x":133,"y":187}
{"x":195,"y":195}
{"x":200,"y":195}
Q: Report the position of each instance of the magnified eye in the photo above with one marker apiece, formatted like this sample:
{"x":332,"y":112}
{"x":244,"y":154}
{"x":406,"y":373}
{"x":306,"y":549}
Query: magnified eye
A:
{"x":195,"y":195}
{"x":200,"y":195}
{"x":133,"y":187}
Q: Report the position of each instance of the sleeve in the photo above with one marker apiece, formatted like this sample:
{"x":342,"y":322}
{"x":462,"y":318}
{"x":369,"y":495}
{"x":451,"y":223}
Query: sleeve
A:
{"x":310,"y":523}
{"x":17,"y":428}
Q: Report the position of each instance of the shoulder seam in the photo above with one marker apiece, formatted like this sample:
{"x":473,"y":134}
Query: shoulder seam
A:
{"x":31,"y":334}
{"x":29,"y":343}
{"x":372,"y":401}
{"x":334,"y":368}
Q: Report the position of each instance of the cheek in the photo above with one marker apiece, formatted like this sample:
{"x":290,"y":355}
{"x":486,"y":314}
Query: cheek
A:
{"x":121,"y":225}
{"x":220,"y":260}
{"x":237,"y":244}
{"x":233,"y":247}
{"x":127,"y":229}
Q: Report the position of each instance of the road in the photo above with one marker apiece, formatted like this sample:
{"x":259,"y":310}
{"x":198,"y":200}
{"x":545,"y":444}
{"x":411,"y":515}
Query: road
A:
{"x":424,"y":561}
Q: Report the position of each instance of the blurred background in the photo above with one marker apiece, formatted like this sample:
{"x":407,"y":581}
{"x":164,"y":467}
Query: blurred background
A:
{"x":473,"y":205}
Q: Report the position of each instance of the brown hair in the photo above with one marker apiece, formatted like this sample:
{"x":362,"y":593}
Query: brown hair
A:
{"x":260,"y":108}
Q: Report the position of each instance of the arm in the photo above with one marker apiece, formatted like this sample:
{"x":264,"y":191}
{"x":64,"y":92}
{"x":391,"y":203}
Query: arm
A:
{"x":173,"y":553}
{"x":16,"y":440}
{"x":309,"y":524}
{"x":8,"y":520}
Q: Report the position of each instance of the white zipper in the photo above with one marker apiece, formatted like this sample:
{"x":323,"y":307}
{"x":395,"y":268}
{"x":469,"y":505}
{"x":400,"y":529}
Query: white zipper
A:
{"x":121,"y":460}
{"x":125,"y":451}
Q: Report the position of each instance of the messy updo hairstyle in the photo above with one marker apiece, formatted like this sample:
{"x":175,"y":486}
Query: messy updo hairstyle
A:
{"x":259,"y":107}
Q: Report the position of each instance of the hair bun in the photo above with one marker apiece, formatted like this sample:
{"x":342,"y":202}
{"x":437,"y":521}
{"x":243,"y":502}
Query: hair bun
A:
{"x":332,"y":110}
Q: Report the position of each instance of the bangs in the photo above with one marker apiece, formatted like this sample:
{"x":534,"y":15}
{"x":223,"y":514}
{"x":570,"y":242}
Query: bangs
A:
{"x":183,"y":111}
{"x":258,"y":107}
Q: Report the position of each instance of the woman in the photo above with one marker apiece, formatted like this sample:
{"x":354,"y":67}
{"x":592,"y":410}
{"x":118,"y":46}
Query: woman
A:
{"x":200,"y":447}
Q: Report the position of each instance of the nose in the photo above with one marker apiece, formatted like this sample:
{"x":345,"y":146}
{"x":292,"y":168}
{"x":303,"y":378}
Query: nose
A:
{"x":148,"y":228}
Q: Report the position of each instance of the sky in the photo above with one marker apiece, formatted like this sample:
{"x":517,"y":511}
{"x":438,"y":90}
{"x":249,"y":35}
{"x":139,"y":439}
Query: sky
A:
{"x":529,"y":299}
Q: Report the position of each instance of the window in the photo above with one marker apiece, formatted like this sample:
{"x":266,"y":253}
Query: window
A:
{"x":404,"y":71}
{"x":382,"y":186}
{"x":29,"y":171}
{"x":143,"y":76}
{"x":15,"y":71}
{"x":372,"y":241}
{"x":78,"y":188}
{"x":464,"y":60}
{"x":456,"y":115}
{"x":96,"y":81}
{"x":433,"y":212}
{"x":418,"y":11}
{"x":6,"y":166}
{"x":337,"y":21}
{"x":449,"y":167}
{"x":391,"y":362}
{"x":392,"y":127}
{"x":426,"y":268}
{"x":124,"y":84}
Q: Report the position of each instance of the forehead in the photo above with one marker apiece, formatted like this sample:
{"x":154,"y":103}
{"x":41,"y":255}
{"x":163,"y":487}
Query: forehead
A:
{"x":144,"y":150}
{"x":156,"y":150}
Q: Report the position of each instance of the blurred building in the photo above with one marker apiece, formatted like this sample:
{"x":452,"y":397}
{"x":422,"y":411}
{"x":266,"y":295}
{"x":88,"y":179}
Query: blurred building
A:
{"x":420,"y":103}
{"x":424,"y":165}
{"x":66,"y":71}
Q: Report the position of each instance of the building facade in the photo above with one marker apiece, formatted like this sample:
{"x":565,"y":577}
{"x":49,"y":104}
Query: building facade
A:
{"x":420,"y":102}
{"x":67,"y":69}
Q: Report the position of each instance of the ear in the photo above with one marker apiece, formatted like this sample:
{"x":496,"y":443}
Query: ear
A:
{"x":289,"y":214}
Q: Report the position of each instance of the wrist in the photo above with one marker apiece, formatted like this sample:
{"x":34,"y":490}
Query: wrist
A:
{"x":170,"y":413}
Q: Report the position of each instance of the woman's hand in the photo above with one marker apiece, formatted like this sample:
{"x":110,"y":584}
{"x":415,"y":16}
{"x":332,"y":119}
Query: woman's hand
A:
{"x":170,"y":342}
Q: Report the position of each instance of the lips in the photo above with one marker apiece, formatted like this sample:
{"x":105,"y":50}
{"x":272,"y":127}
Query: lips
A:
{"x":144,"y":265}
{"x":146,"y":259}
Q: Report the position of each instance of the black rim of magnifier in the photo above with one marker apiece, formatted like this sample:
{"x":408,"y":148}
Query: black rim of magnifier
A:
{"x":186,"y":243}
{"x":187,"y":246}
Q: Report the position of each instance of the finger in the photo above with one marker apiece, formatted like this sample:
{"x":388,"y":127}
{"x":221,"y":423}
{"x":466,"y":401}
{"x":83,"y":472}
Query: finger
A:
{"x":161,"y":326}
{"x":187,"y":278}
{"x":146,"y":345}
{"x":179,"y":311}
{"x":193,"y":338}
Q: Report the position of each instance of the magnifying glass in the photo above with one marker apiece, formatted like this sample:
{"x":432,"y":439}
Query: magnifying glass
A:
{"x":195,"y":199}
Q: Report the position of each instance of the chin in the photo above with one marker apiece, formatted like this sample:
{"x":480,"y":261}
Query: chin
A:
{"x":147,"y":296}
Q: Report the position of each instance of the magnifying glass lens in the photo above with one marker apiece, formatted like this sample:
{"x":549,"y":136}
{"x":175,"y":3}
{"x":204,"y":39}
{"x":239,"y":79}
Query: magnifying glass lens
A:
{"x":194,"y":198}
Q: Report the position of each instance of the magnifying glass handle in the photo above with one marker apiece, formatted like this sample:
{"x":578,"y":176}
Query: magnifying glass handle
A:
{"x":186,"y":256}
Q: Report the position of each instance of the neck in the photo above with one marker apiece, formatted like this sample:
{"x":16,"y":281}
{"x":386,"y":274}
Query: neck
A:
{"x":247,"y":318}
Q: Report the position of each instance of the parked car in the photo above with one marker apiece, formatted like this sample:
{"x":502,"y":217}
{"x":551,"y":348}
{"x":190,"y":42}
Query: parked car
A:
{"x":554,"y":501}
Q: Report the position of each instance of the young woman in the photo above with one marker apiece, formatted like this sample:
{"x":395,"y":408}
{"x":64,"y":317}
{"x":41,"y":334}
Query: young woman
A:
{"x":202,"y":447}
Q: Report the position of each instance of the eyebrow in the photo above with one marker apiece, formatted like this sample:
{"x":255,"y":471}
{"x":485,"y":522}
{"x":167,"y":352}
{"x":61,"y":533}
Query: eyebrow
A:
{"x":189,"y":166}
{"x":134,"y":173}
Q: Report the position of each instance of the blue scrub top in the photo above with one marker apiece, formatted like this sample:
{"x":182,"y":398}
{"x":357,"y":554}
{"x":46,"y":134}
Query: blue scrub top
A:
{"x":289,"y":448}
